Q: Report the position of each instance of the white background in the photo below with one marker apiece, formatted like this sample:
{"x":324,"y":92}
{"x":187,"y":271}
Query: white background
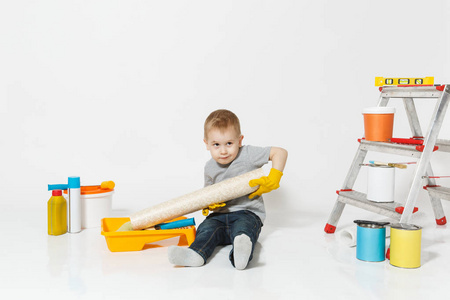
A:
{"x":119,"y":90}
{"x":113,"y":90}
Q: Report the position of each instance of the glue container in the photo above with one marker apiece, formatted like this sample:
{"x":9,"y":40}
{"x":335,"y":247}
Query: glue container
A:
{"x":57,"y":213}
{"x":96,"y":204}
{"x":74,"y":207}
{"x":378,"y":123}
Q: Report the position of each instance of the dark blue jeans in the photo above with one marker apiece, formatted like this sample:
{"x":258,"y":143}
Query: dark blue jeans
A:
{"x":221,"y":229}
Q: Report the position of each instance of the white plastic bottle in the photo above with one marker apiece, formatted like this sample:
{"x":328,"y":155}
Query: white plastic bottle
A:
{"x":74,"y":205}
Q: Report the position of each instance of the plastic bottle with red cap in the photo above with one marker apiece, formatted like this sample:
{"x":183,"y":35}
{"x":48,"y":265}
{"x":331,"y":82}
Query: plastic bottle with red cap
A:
{"x":57,"y":213}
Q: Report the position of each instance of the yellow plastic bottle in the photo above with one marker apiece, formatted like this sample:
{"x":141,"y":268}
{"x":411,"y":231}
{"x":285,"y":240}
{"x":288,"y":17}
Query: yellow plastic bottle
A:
{"x":57,"y":213}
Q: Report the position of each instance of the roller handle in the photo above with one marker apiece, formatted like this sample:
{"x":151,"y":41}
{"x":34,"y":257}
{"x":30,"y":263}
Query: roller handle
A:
{"x":400,"y":166}
{"x":176,"y":224}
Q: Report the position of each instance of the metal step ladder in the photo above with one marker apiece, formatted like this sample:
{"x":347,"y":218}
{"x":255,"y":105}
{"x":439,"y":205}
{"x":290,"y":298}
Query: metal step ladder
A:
{"x":420,"y":147}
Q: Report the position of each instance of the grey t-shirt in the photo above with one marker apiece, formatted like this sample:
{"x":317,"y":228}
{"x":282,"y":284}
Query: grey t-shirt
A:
{"x":248,"y":159}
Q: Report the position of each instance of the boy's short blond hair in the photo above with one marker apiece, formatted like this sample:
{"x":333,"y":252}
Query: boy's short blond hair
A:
{"x":222,"y":119}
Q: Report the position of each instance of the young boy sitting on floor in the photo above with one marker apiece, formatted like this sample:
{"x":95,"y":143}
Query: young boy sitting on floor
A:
{"x":239,"y":222}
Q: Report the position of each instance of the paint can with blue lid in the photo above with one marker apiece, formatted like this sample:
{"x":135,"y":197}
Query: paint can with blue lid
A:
{"x":370,"y":240}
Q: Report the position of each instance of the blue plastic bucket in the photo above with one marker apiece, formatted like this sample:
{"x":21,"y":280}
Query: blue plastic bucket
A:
{"x":370,"y":240}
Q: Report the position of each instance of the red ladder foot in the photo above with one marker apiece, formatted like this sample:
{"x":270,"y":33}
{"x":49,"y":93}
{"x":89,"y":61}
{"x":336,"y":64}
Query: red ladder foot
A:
{"x":441,"y":221}
{"x":330,"y":228}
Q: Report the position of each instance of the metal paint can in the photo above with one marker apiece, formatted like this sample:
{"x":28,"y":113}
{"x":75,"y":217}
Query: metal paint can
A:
{"x":381,"y":183}
{"x":370,"y":240}
{"x":405,"y":246}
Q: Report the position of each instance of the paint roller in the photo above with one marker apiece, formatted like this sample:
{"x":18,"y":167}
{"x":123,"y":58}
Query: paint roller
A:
{"x":223,"y":191}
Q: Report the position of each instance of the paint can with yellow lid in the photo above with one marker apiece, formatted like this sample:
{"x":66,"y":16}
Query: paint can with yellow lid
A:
{"x":405,"y":246}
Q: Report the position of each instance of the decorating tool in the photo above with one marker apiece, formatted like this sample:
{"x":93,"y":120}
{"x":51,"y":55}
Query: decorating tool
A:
{"x":381,"y":81}
{"x":401,"y":165}
{"x":176,"y":224}
{"x":164,"y":226}
{"x":181,"y":224}
{"x":395,"y":165}
{"x":223,"y":191}
{"x":422,"y":152}
{"x":435,"y":176}
{"x":136,"y":240}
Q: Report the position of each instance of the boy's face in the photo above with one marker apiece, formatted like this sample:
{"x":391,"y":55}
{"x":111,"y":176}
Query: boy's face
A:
{"x":223,"y":144}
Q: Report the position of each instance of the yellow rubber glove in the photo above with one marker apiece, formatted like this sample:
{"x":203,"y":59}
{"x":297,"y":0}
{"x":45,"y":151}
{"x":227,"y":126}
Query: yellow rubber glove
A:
{"x":205,"y":211}
{"x":266,"y":183}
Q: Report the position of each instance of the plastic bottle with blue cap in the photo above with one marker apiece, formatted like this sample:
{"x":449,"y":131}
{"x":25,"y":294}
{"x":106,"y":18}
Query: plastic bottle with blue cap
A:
{"x":73,"y":203}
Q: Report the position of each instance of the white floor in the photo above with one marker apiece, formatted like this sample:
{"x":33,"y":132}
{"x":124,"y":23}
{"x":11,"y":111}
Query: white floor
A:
{"x":294,"y":259}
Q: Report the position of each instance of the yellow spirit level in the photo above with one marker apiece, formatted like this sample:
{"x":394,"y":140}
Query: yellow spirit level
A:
{"x":381,"y":81}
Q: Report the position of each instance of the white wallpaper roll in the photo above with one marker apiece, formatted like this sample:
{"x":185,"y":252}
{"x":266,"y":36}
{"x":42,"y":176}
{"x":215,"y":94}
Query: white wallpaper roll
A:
{"x":220,"y":192}
{"x":347,"y":236}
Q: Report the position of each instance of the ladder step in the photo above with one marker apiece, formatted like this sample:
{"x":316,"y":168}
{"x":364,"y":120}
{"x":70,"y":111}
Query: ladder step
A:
{"x":438,"y":192}
{"x":444,"y":145}
{"x":398,"y":149}
{"x":411,"y":92}
{"x":359,"y":199}
{"x":413,"y":148}
{"x":410,"y":150}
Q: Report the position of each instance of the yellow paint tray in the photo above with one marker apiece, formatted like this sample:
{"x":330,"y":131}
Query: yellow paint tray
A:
{"x":136,"y":240}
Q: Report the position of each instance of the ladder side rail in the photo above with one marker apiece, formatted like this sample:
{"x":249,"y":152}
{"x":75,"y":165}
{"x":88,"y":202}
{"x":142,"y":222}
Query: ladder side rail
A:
{"x":350,"y":179}
{"x":334,"y":217}
{"x":436,"y":203}
{"x":383,"y":101}
{"x":353,"y":172}
{"x":413,"y":119}
{"x":444,"y":145}
{"x":416,"y":131}
{"x":423,"y":162}
{"x":348,"y":185}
